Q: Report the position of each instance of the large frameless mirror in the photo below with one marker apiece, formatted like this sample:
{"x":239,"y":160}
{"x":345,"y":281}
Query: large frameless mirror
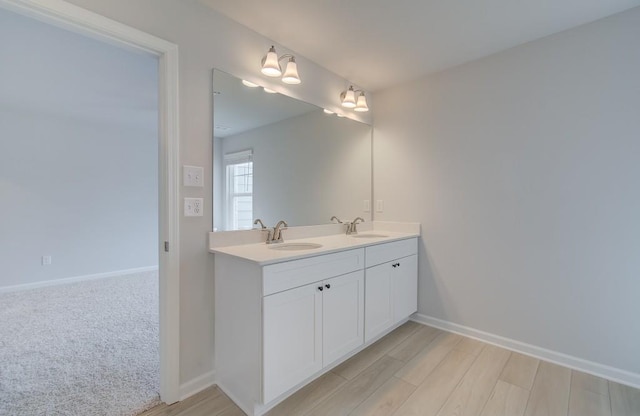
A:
{"x":275,"y":157}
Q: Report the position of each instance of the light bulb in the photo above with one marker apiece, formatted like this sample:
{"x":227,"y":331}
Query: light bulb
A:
{"x":291,"y":73}
{"x":348,"y":98}
{"x":270,"y":65}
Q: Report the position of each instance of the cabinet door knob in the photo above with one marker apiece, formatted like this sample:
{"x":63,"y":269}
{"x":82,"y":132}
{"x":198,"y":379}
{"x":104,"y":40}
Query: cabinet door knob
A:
{"x":327,"y":286}
{"x":398,"y":264}
{"x":320,"y":288}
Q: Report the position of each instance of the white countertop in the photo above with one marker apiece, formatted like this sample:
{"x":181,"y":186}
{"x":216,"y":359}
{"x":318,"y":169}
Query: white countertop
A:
{"x":263,"y":254}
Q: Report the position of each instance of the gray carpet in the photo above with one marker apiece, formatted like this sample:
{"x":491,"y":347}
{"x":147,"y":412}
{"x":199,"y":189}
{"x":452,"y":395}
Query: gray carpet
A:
{"x":89,"y":348}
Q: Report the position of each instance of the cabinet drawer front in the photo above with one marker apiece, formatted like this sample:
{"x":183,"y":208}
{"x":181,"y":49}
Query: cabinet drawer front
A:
{"x":383,"y":253}
{"x":290,"y":274}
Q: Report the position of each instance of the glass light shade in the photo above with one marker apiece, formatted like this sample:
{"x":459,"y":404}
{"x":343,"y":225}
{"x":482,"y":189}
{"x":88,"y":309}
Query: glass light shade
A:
{"x":361,"y":104}
{"x":328,"y":111}
{"x":291,"y":73}
{"x":270,"y":65}
{"x":348,"y":98}
{"x":270,"y":91}
{"x":249,"y":84}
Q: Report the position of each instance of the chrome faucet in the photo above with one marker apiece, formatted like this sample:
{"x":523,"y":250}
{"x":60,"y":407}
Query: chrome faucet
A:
{"x":336,"y":218}
{"x":351,"y":227}
{"x":276,"y":237}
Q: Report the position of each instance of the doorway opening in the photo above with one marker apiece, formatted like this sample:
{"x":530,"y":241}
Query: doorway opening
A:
{"x":166,"y":158}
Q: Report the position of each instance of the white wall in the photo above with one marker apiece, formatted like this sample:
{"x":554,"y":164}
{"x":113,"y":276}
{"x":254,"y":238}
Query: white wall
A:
{"x":523,"y":169}
{"x":308,"y":168}
{"x":206,"y":40}
{"x":78,"y":155}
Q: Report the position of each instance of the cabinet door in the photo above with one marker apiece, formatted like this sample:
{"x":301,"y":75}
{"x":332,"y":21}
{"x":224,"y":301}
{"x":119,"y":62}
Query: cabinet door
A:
{"x":405,"y":287}
{"x":379,"y":300}
{"x":343,"y":315}
{"x":292,"y":335}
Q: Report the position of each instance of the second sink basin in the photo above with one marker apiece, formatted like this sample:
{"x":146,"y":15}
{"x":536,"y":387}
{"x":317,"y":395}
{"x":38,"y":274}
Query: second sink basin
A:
{"x":369,"y":236}
{"x":294,"y":246}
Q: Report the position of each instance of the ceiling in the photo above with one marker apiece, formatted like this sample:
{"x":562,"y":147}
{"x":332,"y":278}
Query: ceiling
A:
{"x":380,"y":43}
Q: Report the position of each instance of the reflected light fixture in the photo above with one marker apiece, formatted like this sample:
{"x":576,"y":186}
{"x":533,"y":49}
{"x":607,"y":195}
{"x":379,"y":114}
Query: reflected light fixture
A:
{"x":249,"y":84}
{"x":270,"y":91}
{"x":354,"y":99}
{"x":271,"y":67}
{"x":328,"y":111}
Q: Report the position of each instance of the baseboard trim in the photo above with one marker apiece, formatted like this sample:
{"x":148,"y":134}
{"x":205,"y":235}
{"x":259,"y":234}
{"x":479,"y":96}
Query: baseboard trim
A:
{"x":196,"y":385}
{"x":67,"y":280}
{"x":610,"y":373}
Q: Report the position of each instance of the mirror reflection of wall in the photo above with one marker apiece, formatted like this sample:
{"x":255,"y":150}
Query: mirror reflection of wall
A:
{"x":279,"y":158}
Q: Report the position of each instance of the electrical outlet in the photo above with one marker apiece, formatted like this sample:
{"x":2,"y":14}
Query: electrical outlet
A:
{"x":193,"y":207}
{"x":46,"y":260}
{"x":192,"y":176}
{"x":379,"y":205}
{"x":366,"y":206}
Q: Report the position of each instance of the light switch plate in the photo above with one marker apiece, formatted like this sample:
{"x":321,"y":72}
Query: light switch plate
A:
{"x":379,"y":205}
{"x":366,"y":205}
{"x":193,"y":207}
{"x":193,"y":176}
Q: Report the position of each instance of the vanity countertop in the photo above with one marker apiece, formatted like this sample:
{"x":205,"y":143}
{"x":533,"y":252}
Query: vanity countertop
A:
{"x":264,"y":254}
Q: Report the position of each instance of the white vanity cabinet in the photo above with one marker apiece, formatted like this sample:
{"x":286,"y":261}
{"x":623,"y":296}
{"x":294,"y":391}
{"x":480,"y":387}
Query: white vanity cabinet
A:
{"x":391,"y":278}
{"x":279,"y":323}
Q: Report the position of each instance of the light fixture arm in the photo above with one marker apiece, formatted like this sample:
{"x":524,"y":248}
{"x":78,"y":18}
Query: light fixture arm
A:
{"x":285,"y":56}
{"x":343,"y":93}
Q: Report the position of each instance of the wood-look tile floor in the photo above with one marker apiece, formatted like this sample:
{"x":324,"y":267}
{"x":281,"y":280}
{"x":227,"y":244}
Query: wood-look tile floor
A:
{"x":419,"y":370}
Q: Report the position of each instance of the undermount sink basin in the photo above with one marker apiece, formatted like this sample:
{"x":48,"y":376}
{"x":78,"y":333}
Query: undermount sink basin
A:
{"x":369,"y":236}
{"x":295,"y":246}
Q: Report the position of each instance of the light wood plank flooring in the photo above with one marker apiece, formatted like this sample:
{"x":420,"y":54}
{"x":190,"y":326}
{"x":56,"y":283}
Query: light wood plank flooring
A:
{"x":419,"y":370}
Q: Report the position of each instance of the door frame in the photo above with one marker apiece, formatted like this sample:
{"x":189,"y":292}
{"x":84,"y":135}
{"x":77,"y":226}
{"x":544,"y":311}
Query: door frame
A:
{"x":71,"y":17}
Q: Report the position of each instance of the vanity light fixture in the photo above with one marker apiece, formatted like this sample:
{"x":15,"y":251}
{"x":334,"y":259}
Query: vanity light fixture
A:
{"x":271,"y":67}
{"x":348,"y":99}
{"x":361,"y":103}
